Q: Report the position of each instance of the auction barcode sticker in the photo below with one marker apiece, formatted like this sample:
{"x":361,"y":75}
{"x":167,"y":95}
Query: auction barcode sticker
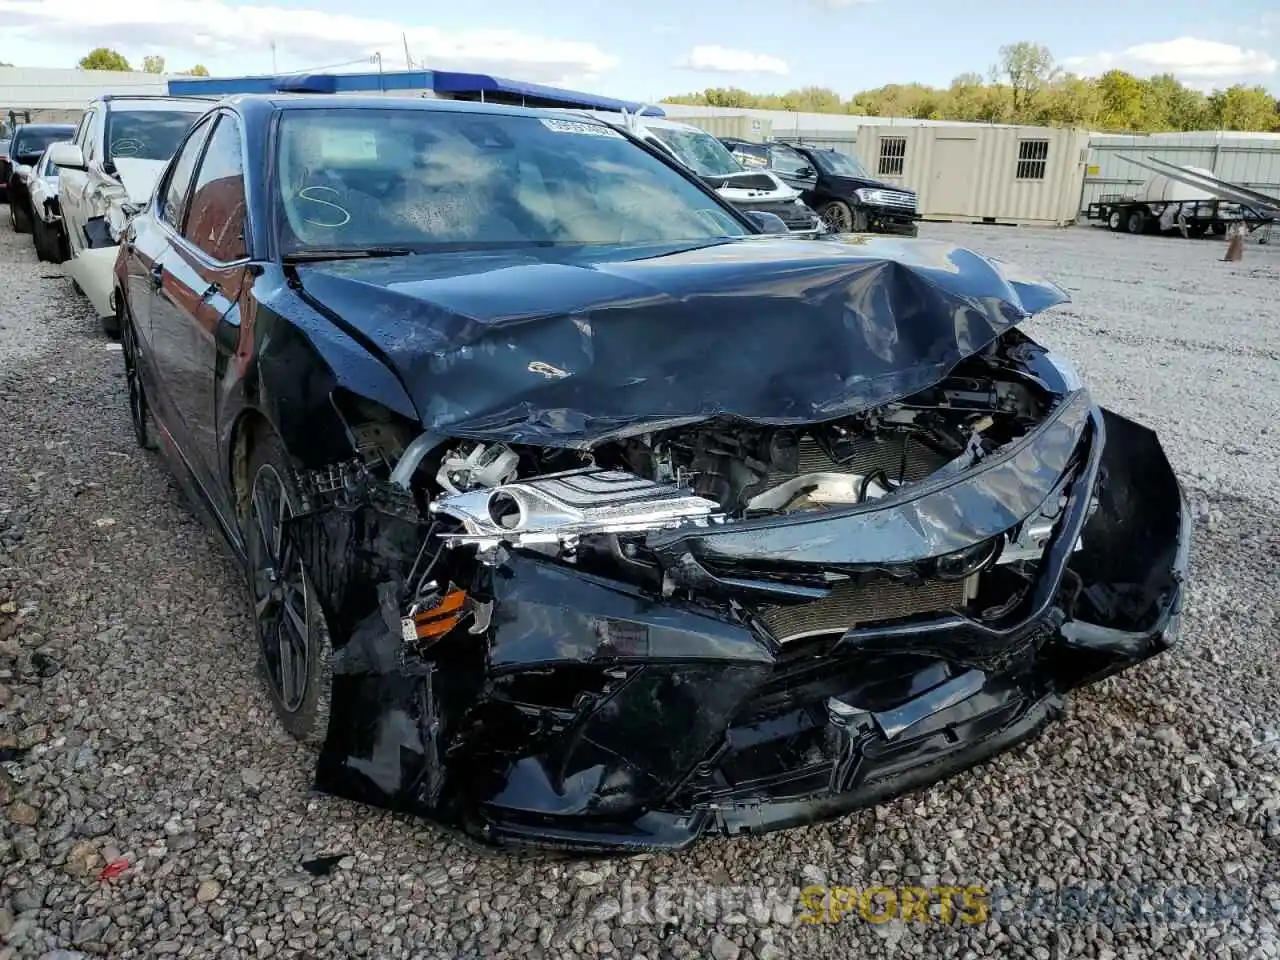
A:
{"x":577,"y":126}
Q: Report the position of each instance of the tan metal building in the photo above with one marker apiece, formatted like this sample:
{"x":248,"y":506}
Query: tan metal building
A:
{"x":1014,"y":175}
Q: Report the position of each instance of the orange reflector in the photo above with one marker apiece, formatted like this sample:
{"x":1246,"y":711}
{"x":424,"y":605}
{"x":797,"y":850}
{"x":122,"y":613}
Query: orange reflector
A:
{"x":438,"y":620}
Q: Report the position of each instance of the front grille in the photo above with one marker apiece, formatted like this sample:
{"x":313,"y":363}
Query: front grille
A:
{"x":851,"y":604}
{"x":899,"y":200}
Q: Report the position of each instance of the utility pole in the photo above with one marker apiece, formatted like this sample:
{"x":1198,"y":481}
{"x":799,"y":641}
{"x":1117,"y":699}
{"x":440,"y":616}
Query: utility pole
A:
{"x":274,"y":68}
{"x":408,"y":60}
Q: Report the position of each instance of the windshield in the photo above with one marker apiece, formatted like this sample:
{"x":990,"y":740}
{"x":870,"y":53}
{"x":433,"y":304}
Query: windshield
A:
{"x":31,"y":143}
{"x":839,"y":164}
{"x":147,"y":134}
{"x":701,"y":152}
{"x":362,"y":177}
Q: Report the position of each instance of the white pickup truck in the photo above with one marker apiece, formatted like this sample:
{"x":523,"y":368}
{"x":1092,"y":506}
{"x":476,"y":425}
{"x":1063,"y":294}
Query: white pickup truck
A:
{"x":107,"y":174}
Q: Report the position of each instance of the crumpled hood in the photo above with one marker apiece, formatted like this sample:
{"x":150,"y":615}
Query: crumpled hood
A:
{"x":569,"y":347}
{"x":139,"y":177}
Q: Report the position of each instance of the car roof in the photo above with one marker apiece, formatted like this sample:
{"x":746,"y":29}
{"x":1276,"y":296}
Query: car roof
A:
{"x":142,"y":103}
{"x":44,"y":127}
{"x":254,"y":103}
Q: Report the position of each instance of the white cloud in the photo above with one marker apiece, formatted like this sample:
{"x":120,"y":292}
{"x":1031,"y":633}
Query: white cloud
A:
{"x":839,"y":4}
{"x":713,"y":59}
{"x":1189,"y":58}
{"x":303,"y":38}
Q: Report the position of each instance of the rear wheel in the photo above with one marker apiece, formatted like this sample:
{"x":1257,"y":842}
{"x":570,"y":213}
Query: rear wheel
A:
{"x":1137,"y":221}
{"x":139,"y":409}
{"x":293,"y":642}
{"x":40,"y":236}
{"x":837,"y":216}
{"x":18,"y":218}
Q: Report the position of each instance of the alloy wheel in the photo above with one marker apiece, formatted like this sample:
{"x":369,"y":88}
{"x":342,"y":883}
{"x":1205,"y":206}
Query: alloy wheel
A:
{"x":138,"y":411}
{"x":280,"y":599}
{"x":837,"y":217}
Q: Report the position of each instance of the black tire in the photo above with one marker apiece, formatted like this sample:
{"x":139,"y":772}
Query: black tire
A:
{"x":39,"y":236}
{"x":1195,"y":230}
{"x":1136,"y":222}
{"x":837,"y":216}
{"x":289,"y":629}
{"x":139,"y":407}
{"x":861,"y":221}
{"x":913,"y":230}
{"x":76,"y":287}
{"x":1219,"y":228}
{"x":18,"y":219}
{"x":1115,"y":221}
{"x":111,"y":324}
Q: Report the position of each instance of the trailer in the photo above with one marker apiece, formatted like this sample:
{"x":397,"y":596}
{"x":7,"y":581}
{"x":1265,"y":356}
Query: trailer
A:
{"x":1167,"y":201}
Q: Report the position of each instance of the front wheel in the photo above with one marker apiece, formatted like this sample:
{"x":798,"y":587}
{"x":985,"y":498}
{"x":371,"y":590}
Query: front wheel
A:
{"x":1114,"y":221}
{"x":837,"y":216}
{"x":292,"y":639}
{"x":39,"y":236}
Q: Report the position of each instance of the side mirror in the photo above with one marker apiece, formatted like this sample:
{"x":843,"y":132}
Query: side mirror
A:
{"x":767,"y":222}
{"x":66,"y":155}
{"x":804,"y":173}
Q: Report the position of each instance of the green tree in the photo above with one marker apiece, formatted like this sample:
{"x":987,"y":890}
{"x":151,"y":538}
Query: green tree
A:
{"x":1035,"y":92}
{"x":1121,"y":100}
{"x":153,"y":64}
{"x":199,"y":70}
{"x":1029,"y":69}
{"x":103,"y":58}
{"x":1243,"y":108}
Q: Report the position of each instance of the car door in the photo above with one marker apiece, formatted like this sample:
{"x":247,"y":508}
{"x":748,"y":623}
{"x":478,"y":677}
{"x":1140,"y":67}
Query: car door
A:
{"x":197,"y":310}
{"x":793,"y":167}
{"x":158,"y":273}
{"x":73,"y":184}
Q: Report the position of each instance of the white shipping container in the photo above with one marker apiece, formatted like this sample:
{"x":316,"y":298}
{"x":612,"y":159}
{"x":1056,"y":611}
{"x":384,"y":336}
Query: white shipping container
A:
{"x":1010,"y":175}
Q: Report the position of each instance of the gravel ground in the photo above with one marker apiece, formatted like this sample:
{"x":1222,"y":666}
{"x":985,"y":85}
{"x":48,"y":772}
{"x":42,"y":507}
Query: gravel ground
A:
{"x":136,"y":736}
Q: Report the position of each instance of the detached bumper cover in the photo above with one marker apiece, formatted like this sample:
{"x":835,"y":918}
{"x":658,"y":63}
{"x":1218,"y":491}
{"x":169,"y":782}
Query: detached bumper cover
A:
{"x":586,"y":715}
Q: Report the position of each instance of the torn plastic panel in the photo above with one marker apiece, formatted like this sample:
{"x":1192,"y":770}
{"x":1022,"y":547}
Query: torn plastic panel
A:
{"x":593,"y":714}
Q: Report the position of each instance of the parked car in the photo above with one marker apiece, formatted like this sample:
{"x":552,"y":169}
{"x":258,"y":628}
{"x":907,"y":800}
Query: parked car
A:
{"x":107,"y":173}
{"x":757,"y":190}
{"x":576,"y":512}
{"x":4,"y":169}
{"x":30,"y":140}
{"x":40,"y":183}
{"x":835,"y":184}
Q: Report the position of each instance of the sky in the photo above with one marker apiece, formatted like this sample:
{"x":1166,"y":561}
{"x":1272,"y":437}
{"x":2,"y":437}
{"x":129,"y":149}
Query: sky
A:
{"x":657,"y":48}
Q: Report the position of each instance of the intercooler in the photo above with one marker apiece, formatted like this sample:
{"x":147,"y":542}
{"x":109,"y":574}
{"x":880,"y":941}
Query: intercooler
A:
{"x":851,"y":604}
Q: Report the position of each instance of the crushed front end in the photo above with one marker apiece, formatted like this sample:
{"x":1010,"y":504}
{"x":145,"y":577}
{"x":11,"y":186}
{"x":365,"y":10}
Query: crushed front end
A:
{"x":733,"y":627}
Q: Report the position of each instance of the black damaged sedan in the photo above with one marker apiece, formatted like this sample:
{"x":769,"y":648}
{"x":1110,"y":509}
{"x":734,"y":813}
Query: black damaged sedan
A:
{"x":577,"y":513}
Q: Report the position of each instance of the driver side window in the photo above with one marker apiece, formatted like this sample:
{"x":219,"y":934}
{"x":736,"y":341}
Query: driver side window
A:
{"x":786,"y":161}
{"x":173,"y":198}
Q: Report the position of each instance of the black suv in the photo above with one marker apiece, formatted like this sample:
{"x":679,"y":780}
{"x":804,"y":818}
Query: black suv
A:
{"x":846,"y":196}
{"x":29,"y":142}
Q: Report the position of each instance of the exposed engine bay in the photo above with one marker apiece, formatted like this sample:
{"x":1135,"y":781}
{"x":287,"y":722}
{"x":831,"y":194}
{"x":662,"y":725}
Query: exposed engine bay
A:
{"x":594,"y":510}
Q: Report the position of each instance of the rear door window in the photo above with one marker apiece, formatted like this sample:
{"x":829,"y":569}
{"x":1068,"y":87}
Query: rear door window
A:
{"x":173,"y":209}
{"x":217,"y":218}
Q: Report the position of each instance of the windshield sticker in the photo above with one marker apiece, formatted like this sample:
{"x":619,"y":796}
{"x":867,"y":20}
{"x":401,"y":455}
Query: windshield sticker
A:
{"x":345,"y":145}
{"x":577,"y":126}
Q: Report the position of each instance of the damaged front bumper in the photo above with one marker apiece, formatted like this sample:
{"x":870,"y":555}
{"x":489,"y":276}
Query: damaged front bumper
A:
{"x":577,"y":712}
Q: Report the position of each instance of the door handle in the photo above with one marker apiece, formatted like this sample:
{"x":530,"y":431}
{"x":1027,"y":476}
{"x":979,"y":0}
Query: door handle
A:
{"x":157,"y":275}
